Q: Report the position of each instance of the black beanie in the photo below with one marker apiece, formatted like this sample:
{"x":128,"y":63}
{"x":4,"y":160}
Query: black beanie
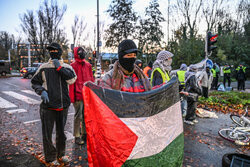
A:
{"x":125,"y":47}
{"x":55,"y":46}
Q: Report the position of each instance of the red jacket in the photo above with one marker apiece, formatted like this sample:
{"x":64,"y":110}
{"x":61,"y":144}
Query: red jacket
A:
{"x":84,"y":73}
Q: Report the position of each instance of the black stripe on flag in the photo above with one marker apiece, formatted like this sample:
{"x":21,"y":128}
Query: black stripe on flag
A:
{"x":134,"y":105}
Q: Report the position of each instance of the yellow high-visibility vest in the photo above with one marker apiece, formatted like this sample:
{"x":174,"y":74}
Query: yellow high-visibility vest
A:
{"x":226,"y":71}
{"x":214,"y":72}
{"x":181,"y":77}
{"x":164,"y":77}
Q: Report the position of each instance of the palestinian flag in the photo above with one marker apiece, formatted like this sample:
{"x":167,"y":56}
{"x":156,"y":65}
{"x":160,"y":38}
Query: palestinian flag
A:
{"x":133,"y":129}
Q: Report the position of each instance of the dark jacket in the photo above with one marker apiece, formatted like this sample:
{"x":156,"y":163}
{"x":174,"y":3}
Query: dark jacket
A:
{"x":84,"y":73}
{"x":55,"y":82}
{"x":240,"y":75}
{"x":131,"y":83}
{"x":192,"y":88}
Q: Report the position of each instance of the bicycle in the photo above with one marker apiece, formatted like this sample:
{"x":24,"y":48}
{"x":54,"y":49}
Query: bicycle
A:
{"x":238,"y":135}
{"x":242,"y":121}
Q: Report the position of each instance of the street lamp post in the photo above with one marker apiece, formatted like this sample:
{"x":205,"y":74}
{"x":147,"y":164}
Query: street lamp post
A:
{"x":98,"y":66}
{"x":29,"y":64}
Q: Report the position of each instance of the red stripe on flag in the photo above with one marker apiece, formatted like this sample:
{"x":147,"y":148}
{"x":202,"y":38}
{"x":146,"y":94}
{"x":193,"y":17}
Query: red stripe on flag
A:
{"x":109,"y":141}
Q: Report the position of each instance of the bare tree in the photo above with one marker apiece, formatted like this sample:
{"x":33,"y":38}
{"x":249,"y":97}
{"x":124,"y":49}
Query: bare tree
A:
{"x":50,"y":17}
{"x":44,"y":28}
{"x":78,"y":28}
{"x":212,"y":11}
{"x":190,"y":11}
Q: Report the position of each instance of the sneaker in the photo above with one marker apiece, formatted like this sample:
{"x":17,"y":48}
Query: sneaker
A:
{"x":64,"y":160}
{"x":79,"y":140}
{"x":55,"y":163}
{"x":189,"y":122}
{"x":195,"y":121}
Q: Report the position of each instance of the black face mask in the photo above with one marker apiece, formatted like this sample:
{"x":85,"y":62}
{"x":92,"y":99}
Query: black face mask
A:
{"x":81,"y":53}
{"x":55,"y":55}
{"x":127,"y":63}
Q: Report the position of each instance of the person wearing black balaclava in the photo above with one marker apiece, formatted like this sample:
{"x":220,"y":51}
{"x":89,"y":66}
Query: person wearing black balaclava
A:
{"x":126,"y":75}
{"x":84,"y":73}
{"x":51,"y":82}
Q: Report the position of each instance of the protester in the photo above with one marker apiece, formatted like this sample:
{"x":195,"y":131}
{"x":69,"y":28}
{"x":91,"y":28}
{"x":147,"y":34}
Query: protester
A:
{"x":161,"y":68}
{"x":84,"y":73}
{"x":215,"y":77}
{"x":148,"y":69}
{"x":192,"y":91}
{"x":125,"y":75}
{"x":227,"y":75}
{"x":138,"y":62}
{"x":51,"y":82}
{"x":206,"y":81}
{"x":181,"y":78}
{"x":241,"y":76}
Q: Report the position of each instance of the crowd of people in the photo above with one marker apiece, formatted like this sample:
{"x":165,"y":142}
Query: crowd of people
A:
{"x":60,"y":84}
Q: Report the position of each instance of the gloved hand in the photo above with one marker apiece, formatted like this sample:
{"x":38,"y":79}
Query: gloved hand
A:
{"x":45,"y":97}
{"x":56,"y":63}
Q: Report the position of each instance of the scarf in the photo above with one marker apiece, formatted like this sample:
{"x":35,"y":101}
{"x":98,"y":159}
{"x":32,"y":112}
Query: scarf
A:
{"x":118,"y":76}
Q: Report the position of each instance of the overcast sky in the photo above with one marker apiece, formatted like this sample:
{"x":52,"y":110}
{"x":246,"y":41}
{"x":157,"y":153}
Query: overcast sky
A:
{"x":11,"y":9}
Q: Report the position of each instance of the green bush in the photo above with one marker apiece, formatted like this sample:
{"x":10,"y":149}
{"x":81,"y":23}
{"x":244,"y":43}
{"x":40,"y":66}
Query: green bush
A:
{"x":227,"y":98}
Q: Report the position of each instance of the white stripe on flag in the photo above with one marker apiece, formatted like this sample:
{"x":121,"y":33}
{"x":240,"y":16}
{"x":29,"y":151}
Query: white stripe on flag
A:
{"x":6,"y":104}
{"x":155,"y":133}
{"x":22,"y":97}
{"x":16,"y":111}
{"x":29,"y":92}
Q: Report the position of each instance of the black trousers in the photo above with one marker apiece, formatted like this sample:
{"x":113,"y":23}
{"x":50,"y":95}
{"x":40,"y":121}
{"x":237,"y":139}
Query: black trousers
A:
{"x":48,"y":119}
{"x":227,"y":77}
{"x":191,"y":107}
{"x":241,"y":84}
{"x":215,"y":83}
{"x":204,"y":92}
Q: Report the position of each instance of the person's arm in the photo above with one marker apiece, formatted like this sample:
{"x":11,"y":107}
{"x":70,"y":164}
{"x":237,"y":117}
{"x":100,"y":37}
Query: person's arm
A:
{"x":91,"y":74}
{"x":37,"y":82}
{"x":106,"y":81}
{"x":67,"y":72}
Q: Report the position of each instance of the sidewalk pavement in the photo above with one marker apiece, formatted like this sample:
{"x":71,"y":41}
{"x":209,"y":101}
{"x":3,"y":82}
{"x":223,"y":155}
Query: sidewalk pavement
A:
{"x":22,"y":160}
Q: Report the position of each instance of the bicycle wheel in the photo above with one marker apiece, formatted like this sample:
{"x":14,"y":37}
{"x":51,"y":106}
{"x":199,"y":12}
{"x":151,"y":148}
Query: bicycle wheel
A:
{"x":237,"y":119}
{"x":230,"y":135}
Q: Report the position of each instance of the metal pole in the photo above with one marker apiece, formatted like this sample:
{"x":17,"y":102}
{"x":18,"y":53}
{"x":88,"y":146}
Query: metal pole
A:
{"x":9,"y":54}
{"x":168,"y":20}
{"x":29,"y":64}
{"x":98,"y":71}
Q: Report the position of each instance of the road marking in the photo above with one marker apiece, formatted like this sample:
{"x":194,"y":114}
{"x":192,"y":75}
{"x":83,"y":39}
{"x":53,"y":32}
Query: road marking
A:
{"x":6,"y":104}
{"x":22,"y":97}
{"x":33,"y":121}
{"x":16,"y":111}
{"x":12,"y":84}
{"x":68,"y":135}
{"x":37,"y":120}
{"x":30,"y":92}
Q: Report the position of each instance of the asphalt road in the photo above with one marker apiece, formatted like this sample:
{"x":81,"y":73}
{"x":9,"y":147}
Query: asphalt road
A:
{"x":21,"y":130}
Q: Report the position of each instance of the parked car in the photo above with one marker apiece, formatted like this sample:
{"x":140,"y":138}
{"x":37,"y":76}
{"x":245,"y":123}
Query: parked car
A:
{"x":36,"y":64}
{"x":28,"y":72}
{"x":4,"y":67}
